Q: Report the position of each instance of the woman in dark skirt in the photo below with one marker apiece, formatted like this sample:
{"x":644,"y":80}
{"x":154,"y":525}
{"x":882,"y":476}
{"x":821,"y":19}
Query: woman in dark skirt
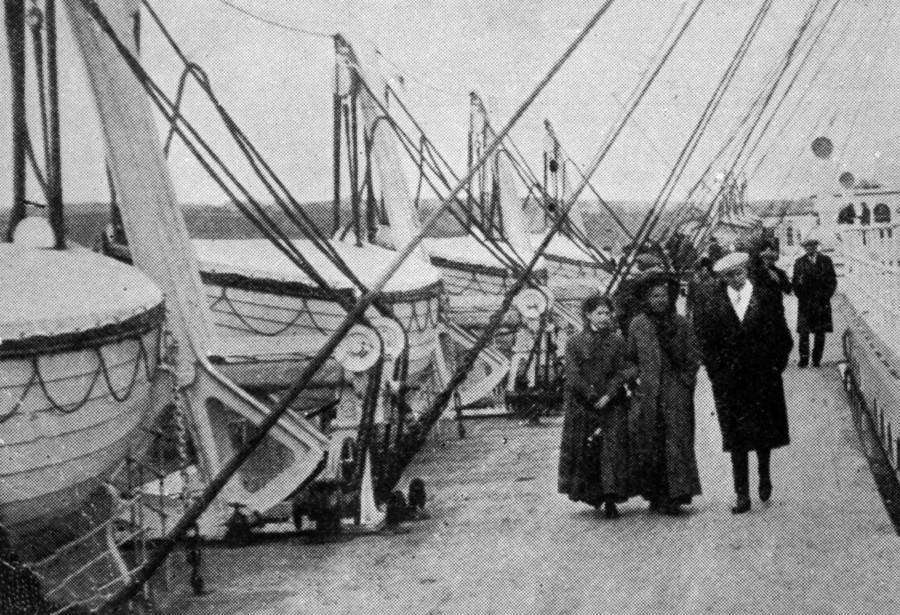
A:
{"x":662,"y":345}
{"x":593,"y":460}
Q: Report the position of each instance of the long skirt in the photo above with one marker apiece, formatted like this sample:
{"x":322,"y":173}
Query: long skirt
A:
{"x":665,"y":465}
{"x":593,"y":460}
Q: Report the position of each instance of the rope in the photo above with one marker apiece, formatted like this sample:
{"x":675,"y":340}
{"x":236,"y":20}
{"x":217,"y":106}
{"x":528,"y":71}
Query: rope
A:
{"x":789,"y":86}
{"x":151,"y":367}
{"x":528,"y":177}
{"x":263,"y":171}
{"x":438,"y":166}
{"x":212,"y":489}
{"x":783,"y":66}
{"x":789,"y":117}
{"x":643,"y":233}
{"x":706,"y":118}
{"x":497,"y":248}
{"x":304,"y":311}
{"x":272,"y":22}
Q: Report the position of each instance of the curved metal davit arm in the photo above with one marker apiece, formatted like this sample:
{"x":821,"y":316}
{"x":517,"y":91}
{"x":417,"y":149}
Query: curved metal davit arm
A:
{"x":160,"y":246}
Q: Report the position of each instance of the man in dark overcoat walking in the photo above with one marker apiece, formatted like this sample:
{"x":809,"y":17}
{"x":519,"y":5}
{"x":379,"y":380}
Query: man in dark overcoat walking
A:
{"x":814,"y":284}
{"x":745,"y":343}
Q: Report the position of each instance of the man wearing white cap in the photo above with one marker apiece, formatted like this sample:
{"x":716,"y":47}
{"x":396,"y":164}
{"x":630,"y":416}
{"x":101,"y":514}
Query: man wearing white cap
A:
{"x":814,"y":284}
{"x":745,"y":342}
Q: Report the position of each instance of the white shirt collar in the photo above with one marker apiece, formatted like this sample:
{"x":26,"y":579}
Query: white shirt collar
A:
{"x":740,"y":299}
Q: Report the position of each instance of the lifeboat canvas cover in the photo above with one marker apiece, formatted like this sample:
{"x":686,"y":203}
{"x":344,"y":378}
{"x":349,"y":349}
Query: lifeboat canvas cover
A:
{"x":78,"y":358}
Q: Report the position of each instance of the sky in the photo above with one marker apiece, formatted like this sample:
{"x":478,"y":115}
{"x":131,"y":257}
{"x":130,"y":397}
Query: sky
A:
{"x":277,"y":83}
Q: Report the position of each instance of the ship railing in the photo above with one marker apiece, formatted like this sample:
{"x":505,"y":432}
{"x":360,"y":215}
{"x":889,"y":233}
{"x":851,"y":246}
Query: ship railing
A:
{"x":873,"y":288}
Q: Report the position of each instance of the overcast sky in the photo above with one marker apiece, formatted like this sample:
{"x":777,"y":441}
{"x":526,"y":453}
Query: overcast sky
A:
{"x":277,"y":83}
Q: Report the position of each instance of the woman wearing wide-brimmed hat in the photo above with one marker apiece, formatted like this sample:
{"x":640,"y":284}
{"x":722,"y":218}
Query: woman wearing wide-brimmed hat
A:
{"x":662,"y":344}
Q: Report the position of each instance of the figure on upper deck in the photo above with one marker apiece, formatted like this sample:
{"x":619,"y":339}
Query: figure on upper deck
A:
{"x":814,"y":284}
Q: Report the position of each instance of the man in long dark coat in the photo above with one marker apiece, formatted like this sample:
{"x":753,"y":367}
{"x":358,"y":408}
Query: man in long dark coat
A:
{"x":814,"y":284}
{"x":745,"y":343}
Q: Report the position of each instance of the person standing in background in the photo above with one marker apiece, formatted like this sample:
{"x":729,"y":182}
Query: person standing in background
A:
{"x":814,"y":284}
{"x":766,"y":272}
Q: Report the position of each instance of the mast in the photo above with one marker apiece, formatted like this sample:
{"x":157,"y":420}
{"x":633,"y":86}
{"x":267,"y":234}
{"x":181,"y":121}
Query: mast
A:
{"x":394,"y":190}
{"x":509,"y":214}
{"x":54,"y":162}
{"x":336,"y":150}
{"x":15,"y":36}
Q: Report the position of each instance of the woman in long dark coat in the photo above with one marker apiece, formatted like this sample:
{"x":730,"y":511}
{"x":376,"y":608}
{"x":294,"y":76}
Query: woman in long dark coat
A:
{"x":744,"y":357}
{"x":662,"y":344}
{"x":593,"y":459}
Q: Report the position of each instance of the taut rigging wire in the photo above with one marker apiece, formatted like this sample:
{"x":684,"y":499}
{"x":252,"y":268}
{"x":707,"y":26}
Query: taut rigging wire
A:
{"x":706,"y":119}
{"x":213,"y":488}
{"x":888,"y":16}
{"x":784,"y":65}
{"x":264,"y":173}
{"x":800,"y":66}
{"x":646,"y":228}
{"x":498,"y":249}
{"x":702,"y":232}
{"x":272,"y":22}
{"x":788,"y":119}
{"x":528,"y":177}
{"x":756,"y":104}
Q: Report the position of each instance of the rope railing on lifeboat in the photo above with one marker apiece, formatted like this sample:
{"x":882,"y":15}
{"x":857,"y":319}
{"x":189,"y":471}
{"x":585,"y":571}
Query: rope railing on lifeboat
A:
{"x":214,"y":486}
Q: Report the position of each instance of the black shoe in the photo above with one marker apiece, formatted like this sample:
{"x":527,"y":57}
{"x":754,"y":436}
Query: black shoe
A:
{"x":611,"y":511}
{"x":671,"y":509}
{"x":816,"y":363}
{"x":802,"y":363}
{"x":741,"y":506}
{"x":765,"y":490}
